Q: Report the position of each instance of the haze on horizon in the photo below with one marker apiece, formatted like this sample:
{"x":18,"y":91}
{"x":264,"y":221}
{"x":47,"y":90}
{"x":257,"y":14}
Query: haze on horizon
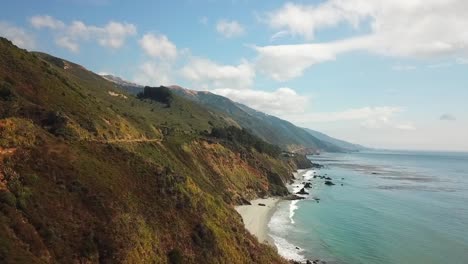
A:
{"x":385,"y":74}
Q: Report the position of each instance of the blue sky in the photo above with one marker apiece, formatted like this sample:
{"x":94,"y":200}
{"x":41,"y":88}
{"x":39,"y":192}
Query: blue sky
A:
{"x":388,"y":74}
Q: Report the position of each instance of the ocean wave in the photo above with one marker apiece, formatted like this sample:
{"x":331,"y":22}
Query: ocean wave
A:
{"x":282,"y":222}
{"x":309,"y":175}
{"x":292,"y":210}
{"x":279,"y":223}
{"x":287,"y":250}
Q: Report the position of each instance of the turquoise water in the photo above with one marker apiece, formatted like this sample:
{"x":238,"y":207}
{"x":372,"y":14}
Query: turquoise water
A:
{"x":393,"y":207}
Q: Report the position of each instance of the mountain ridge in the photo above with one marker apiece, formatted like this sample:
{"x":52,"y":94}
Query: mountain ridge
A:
{"x":268,"y":127}
{"x":92,"y":174}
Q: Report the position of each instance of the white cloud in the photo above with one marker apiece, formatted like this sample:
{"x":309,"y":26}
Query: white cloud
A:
{"x":162,"y":70}
{"x":202,"y":73}
{"x":283,"y":62}
{"x":402,"y":28}
{"x":154,"y":74}
{"x":46,"y":22}
{"x":112,"y":35}
{"x":401,"y":67}
{"x":158,"y":46}
{"x":381,"y":113}
{"x":17,"y":35}
{"x":380,"y":117}
{"x":304,"y":20}
{"x":210,"y":75}
{"x":230,"y":29}
{"x":439,"y":65}
{"x":280,"y":102}
{"x":66,"y":42}
{"x":406,"y":126}
{"x":203,"y":20}
{"x":462,"y":60}
{"x":279,"y":35}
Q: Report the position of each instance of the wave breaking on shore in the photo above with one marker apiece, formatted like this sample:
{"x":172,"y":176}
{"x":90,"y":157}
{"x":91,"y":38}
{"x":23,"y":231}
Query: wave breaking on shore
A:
{"x":282,"y":221}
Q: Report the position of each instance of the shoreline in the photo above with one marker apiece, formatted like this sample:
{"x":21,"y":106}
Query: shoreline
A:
{"x":257,"y":217}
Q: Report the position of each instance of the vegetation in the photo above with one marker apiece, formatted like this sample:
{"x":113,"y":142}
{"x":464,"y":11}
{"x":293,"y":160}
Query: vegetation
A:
{"x":90,"y":176}
{"x":242,"y":137}
{"x":268,"y":128}
{"x":160,"y":94}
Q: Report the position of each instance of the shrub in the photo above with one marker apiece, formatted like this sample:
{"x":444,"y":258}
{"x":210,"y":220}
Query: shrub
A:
{"x":89,"y":247}
{"x":5,"y":91}
{"x":204,"y":237}
{"x":243,"y":137}
{"x":55,"y":120}
{"x":160,"y":94}
{"x":175,"y":256}
{"x":7,"y":198}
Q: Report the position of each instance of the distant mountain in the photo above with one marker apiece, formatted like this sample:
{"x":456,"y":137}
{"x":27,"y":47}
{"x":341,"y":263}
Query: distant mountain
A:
{"x":130,"y":87}
{"x":269,"y":128}
{"x":337,"y":142}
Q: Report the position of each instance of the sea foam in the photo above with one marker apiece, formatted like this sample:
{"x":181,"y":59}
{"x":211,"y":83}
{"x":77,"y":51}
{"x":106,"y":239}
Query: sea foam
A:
{"x":287,"y":250}
{"x":282,"y":221}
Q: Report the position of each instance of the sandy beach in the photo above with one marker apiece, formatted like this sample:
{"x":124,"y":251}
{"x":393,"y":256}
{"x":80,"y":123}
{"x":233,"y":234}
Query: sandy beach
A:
{"x":256,"y":217}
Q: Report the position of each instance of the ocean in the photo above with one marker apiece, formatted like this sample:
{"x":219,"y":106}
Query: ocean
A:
{"x":385,"y":207}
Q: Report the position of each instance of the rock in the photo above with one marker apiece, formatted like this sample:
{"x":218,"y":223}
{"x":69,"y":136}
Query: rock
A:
{"x":293,"y":197}
{"x":303,"y":192}
{"x":329,"y":183}
{"x":328,"y":178}
{"x":261,"y":204}
{"x":315,"y":165}
{"x":297,"y":248}
{"x":308,"y":185}
{"x":244,"y":201}
{"x":308,"y":262}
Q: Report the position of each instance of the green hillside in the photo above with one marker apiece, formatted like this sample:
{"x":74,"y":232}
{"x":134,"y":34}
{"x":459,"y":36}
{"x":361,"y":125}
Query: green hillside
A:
{"x":92,"y":174}
{"x":267,"y":127}
{"x":346,"y":146}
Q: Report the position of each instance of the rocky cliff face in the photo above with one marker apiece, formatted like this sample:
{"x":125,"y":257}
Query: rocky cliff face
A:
{"x":90,"y":177}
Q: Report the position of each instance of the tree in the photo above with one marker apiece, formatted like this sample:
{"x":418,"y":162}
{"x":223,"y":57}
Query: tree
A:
{"x":160,"y":94}
{"x":245,"y":138}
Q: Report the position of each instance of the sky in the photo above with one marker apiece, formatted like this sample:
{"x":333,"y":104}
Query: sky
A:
{"x":384,"y":74}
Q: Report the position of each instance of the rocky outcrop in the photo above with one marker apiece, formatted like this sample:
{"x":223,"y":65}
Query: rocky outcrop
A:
{"x":302,"y":192}
{"x":329,"y":183}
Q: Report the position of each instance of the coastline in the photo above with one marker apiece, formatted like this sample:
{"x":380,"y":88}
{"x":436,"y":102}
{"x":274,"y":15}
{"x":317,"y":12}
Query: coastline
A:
{"x":286,"y":212}
{"x":257,"y":217}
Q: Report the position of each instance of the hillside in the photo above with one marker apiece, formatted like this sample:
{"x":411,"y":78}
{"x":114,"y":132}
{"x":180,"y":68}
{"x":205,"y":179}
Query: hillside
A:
{"x":267,"y":127}
{"x":91,"y":174}
{"x":129,"y":87}
{"x":346,"y":146}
